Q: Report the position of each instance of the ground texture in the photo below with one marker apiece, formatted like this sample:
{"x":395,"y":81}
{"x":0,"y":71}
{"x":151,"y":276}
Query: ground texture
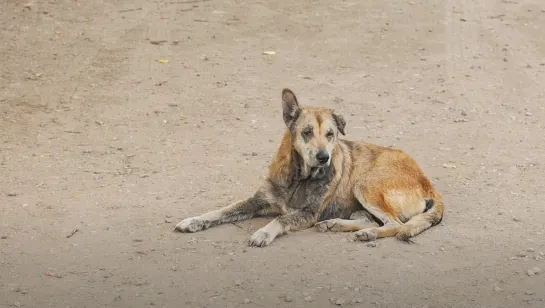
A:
{"x":103,"y":149}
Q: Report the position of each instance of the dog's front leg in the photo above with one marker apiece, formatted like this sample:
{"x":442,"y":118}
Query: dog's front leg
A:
{"x":241,"y":210}
{"x":297,"y":220}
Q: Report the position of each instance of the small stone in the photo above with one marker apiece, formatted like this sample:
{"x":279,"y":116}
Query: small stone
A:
{"x":372,"y":244}
{"x":254,"y":153}
{"x":308,"y":299}
{"x":288,"y":299}
{"x":521,"y":254}
{"x":340,"y":302}
{"x":528,"y":113}
{"x":442,"y":249}
{"x":500,"y":213}
{"x":246,"y":106}
{"x":536,"y":270}
{"x":530,"y":249}
{"x":516,"y":219}
{"x":530,"y":273}
{"x":246,"y":301}
{"x":463,"y":113}
{"x":167,"y":221}
{"x":529,"y":293}
{"x":238,"y":282}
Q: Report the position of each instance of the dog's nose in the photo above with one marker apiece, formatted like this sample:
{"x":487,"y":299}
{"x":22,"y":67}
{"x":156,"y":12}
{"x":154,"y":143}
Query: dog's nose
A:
{"x":322,"y":157}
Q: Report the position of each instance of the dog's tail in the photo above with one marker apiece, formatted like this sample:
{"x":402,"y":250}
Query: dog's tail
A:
{"x":432,"y":215}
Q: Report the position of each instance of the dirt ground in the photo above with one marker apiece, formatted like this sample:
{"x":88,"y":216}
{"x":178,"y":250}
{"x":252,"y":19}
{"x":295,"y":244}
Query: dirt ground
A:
{"x":99,"y":138}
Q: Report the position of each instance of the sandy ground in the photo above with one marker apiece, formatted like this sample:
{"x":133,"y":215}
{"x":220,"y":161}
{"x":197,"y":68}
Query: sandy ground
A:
{"x":99,"y":138}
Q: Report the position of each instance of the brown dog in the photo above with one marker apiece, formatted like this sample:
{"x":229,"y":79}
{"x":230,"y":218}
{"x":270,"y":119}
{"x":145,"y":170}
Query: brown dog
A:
{"x":317,"y":179}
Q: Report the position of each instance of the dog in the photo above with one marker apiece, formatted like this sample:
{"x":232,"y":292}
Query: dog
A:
{"x":317,"y":179}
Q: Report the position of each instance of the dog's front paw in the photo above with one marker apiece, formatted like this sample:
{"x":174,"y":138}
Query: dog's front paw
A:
{"x":191,"y":224}
{"x":332,"y":225}
{"x":261,"y":239}
{"x":366,"y":235}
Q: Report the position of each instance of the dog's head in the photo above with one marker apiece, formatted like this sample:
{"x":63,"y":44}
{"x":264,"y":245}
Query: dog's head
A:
{"x":314,"y":131}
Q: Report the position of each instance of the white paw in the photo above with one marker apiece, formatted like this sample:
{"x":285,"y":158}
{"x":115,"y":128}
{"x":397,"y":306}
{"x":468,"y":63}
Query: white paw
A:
{"x":260,"y":239}
{"x":191,"y":224}
{"x":328,"y":225}
{"x":367,"y":235}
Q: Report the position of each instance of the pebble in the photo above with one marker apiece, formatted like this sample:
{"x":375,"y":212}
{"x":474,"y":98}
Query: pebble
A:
{"x":534,"y":271}
{"x":238,"y":282}
{"x":529,"y":293}
{"x":463,"y":113}
{"x":288,"y":299}
{"x":254,"y":153}
{"x":521,"y":254}
{"x":246,"y":301}
{"x":530,"y":250}
{"x":168,"y":221}
{"x":528,"y":113}
{"x":337,"y":301}
{"x":372,"y":244}
{"x":308,"y":299}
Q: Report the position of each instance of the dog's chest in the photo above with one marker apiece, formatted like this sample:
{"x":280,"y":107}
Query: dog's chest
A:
{"x":305,"y":193}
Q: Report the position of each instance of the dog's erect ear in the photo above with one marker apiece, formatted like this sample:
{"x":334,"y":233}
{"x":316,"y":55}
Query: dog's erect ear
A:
{"x":290,"y":106}
{"x":341,"y":123}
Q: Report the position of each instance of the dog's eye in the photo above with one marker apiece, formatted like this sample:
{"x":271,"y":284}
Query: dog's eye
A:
{"x":330,"y":134}
{"x":307,"y":133}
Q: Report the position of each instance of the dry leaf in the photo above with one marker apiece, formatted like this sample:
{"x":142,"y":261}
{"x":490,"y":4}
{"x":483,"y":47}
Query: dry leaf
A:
{"x":269,"y":52}
{"x":449,"y":166}
{"x":162,"y":61}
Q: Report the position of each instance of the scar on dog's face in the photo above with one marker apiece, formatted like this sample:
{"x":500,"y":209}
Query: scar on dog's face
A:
{"x":314,"y":130}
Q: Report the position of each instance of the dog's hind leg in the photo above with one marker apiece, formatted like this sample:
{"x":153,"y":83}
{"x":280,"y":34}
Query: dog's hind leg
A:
{"x":241,"y":210}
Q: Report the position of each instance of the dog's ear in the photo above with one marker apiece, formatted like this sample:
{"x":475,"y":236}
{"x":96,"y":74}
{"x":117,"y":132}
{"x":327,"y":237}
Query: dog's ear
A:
{"x":290,"y":106}
{"x":341,"y":123}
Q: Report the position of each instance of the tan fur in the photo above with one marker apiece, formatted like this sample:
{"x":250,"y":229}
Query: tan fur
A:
{"x":316,"y":175}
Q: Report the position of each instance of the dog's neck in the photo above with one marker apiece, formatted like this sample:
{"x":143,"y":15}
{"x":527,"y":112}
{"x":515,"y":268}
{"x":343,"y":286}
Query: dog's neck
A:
{"x":288,"y":166}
